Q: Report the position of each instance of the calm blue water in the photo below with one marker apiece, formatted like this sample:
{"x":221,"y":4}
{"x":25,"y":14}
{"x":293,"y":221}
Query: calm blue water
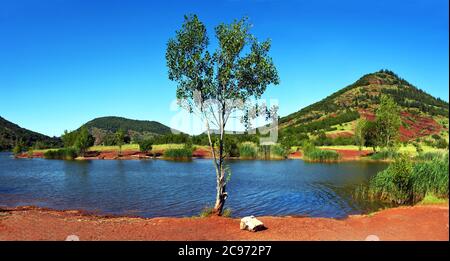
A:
{"x":152,"y":188}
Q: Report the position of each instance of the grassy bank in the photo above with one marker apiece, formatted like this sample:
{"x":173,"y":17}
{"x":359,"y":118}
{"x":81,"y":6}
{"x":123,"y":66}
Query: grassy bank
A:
{"x":408,"y":182}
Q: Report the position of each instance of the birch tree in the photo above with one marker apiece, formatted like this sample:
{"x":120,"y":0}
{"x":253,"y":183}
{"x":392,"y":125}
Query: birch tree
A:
{"x":217,"y":84}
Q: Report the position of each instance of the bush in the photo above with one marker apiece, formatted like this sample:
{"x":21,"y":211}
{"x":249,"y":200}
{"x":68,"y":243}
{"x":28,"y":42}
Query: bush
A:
{"x":405,"y":183}
{"x":441,"y":144}
{"x":248,"y":150}
{"x":429,"y":156}
{"x":61,"y":154}
{"x":384,"y":154}
{"x":430,"y":177}
{"x":178,"y":154}
{"x":278,"y":151}
{"x":311,"y":153}
{"x":145,"y":145}
{"x":322,"y":155}
{"x":394,"y":183}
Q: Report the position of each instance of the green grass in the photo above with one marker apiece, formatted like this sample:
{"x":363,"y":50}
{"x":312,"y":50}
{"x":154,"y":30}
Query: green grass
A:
{"x":114,"y":148}
{"x":431,"y":199}
{"x":317,"y":155}
{"x":178,"y":154}
{"x":208,"y":211}
{"x":248,"y":150}
{"x":344,"y":147}
{"x":408,"y":182}
{"x":348,"y":126}
{"x":278,"y":152}
{"x":384,"y":155}
{"x":61,"y":154}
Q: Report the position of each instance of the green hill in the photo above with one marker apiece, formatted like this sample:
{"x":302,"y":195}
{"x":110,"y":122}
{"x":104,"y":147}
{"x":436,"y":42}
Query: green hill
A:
{"x":422,"y":114}
{"x":103,"y":127}
{"x":10,"y":133}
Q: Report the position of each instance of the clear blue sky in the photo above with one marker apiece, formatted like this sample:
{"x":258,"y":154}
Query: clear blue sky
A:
{"x":63,"y":63}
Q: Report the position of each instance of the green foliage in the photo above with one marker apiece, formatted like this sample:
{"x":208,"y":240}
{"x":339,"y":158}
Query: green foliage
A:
{"x":120,"y":139}
{"x":441,"y":144}
{"x":360,"y":136}
{"x":387,"y":121}
{"x":113,"y":124}
{"x":418,"y":147}
{"x":278,"y":151}
{"x":318,"y":155}
{"x":178,"y":154}
{"x":83,"y":141}
{"x":430,"y":177}
{"x":393,"y":184}
{"x":69,"y":138}
{"x":206,"y":212}
{"x":146,"y":145}
{"x":61,"y":154}
{"x":311,"y":153}
{"x":404,"y":182}
{"x":385,"y":154}
{"x":323,"y":124}
{"x":30,"y":152}
{"x":19,"y":147}
{"x":227,"y":212}
{"x":10,"y":133}
{"x":428,"y":156}
{"x":248,"y":150}
{"x":231,"y":145}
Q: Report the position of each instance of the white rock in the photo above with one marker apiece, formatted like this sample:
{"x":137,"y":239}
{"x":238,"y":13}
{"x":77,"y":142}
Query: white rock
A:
{"x":250,"y":223}
{"x":72,"y":238}
{"x":372,"y":238}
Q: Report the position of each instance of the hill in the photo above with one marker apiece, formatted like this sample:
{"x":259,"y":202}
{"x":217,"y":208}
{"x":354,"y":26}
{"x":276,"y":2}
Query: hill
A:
{"x":422,"y":114}
{"x":10,"y":133}
{"x":103,"y":127}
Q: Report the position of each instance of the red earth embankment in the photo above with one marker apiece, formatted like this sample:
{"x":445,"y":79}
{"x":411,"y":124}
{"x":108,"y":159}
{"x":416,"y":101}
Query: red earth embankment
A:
{"x":405,"y":223}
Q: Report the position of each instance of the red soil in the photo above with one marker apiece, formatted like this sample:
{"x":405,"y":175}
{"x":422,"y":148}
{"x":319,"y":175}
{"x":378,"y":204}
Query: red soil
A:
{"x":417,"y":126}
{"x":202,"y":153}
{"x":295,"y":155}
{"x":406,"y":223}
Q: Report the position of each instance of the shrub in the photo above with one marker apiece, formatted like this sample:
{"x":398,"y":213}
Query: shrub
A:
{"x":394,"y":183}
{"x":430,"y":177}
{"x":429,"y":156}
{"x":384,"y":154}
{"x":61,"y":154}
{"x":322,"y":155}
{"x":178,"y":154}
{"x":441,"y":144}
{"x":206,"y":212}
{"x":248,"y":150}
{"x":404,"y":182}
{"x":278,"y":151}
{"x":145,"y":145}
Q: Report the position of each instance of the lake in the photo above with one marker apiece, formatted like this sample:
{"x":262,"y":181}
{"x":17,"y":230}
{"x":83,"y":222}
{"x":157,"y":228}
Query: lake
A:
{"x":155,"y":188}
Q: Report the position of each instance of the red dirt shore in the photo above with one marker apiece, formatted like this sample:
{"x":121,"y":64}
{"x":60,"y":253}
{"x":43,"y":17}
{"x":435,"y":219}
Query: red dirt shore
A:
{"x":405,"y":223}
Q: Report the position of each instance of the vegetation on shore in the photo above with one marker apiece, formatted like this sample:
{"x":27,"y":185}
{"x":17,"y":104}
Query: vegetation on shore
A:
{"x":408,"y":182}
{"x":313,"y":154}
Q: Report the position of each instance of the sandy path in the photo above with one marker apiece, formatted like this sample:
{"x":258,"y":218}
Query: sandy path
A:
{"x":406,"y":223}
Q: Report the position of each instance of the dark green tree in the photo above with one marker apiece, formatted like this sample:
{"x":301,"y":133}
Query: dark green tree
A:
{"x":216,"y":85}
{"x":120,"y":139}
{"x":83,"y":141}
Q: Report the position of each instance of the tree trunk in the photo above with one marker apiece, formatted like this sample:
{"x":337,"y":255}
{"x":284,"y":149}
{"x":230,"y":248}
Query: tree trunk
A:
{"x":221,"y":194}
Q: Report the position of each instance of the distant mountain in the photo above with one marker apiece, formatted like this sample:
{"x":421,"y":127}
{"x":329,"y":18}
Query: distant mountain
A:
{"x":422,"y":114}
{"x":136,"y":129}
{"x":10,"y":133}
